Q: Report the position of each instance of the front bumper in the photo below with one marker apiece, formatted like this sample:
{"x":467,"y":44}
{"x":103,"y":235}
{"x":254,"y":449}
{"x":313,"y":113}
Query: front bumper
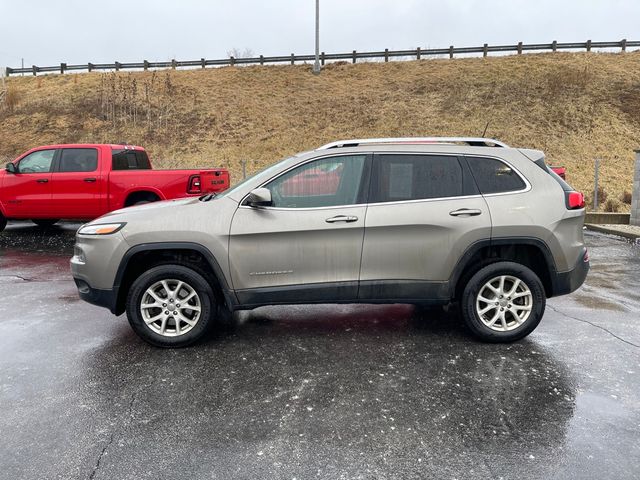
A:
{"x":97,"y":296}
{"x":567,"y":282}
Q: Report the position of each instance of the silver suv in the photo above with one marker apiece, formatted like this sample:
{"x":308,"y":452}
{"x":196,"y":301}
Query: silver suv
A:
{"x":420,"y":220}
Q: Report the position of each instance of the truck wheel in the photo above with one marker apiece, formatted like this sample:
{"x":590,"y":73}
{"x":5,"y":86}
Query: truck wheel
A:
{"x":45,"y":223}
{"x":3,"y":222}
{"x":503,"y":302}
{"x":171,"y":306}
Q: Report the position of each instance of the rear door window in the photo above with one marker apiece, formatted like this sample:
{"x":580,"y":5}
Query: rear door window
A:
{"x":130,"y":160}
{"x":399,"y":178}
{"x":494,"y":176}
{"x":78,"y":160}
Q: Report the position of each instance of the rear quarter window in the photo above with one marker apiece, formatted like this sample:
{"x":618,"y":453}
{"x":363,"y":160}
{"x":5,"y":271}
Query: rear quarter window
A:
{"x":494,"y":176}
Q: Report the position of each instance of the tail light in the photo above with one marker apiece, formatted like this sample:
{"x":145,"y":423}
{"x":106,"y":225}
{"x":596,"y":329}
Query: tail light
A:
{"x":194,"y":185}
{"x":574,"y":200}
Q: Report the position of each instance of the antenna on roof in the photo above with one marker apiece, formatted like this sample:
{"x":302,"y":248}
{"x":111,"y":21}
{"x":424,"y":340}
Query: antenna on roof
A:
{"x":484,"y":132}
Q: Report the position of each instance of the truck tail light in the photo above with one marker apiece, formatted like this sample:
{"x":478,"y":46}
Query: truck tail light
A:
{"x":194,"y":185}
{"x":574,"y":200}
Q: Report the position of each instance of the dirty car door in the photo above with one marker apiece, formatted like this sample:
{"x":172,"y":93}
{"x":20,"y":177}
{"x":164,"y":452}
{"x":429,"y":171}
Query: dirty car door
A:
{"x":424,"y":212}
{"x":306,"y":246}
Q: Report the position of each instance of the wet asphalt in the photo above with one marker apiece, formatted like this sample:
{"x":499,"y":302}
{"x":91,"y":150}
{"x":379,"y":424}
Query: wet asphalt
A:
{"x":315,"y":392}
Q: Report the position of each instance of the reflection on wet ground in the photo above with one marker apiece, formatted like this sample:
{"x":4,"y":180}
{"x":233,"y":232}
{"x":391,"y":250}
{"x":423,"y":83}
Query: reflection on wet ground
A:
{"x":319,"y":391}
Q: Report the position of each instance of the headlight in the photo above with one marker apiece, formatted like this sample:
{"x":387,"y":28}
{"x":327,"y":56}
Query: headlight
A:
{"x":100,"y":229}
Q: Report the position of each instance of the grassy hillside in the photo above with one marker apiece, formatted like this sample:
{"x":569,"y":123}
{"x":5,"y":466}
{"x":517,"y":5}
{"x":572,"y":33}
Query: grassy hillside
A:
{"x":574,"y":106}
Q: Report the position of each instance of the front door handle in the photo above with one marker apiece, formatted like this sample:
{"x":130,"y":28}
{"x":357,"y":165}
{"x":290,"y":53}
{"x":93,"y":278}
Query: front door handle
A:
{"x":465,"y":212}
{"x":42,"y":180}
{"x":90,"y":180}
{"x":342,"y":218}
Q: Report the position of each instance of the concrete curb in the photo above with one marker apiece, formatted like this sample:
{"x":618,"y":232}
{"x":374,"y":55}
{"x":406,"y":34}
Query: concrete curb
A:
{"x":613,"y":231}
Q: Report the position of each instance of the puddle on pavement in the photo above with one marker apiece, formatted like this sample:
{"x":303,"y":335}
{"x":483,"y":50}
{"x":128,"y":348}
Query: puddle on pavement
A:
{"x":598,"y":303}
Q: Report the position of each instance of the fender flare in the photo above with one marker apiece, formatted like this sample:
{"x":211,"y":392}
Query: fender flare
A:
{"x":228,"y":293}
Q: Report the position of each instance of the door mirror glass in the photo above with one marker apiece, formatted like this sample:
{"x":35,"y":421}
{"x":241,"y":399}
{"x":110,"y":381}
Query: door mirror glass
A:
{"x":11,"y":168}
{"x":260,"y":197}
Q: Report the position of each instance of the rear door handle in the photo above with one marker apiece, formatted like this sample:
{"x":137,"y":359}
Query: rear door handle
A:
{"x":42,"y":180}
{"x":465,"y":212}
{"x":342,"y":218}
{"x":89,"y":180}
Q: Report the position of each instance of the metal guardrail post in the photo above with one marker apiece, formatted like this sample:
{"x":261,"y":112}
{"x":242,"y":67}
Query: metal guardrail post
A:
{"x":623,"y":44}
{"x":63,"y":67}
{"x":386,"y":54}
{"x":232,"y":60}
{"x":554,"y":46}
{"x":353,"y":57}
{"x":418,"y":53}
{"x":293,"y":59}
{"x":595,"y":185}
{"x":519,"y":48}
{"x":322,"y":59}
{"x":261,"y":59}
{"x":203,"y":63}
{"x":89,"y":67}
{"x":117,"y":66}
{"x":174,"y":64}
{"x":485,"y":50}
{"x":635,"y":195}
{"x":35,"y":70}
{"x":588,"y":45}
{"x":451,"y":51}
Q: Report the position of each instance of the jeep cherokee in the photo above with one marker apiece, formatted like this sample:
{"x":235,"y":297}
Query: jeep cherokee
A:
{"x":417,"y":220}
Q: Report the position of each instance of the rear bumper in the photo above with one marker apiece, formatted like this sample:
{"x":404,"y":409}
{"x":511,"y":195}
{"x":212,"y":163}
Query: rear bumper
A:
{"x":96,"y":296}
{"x":567,"y":282}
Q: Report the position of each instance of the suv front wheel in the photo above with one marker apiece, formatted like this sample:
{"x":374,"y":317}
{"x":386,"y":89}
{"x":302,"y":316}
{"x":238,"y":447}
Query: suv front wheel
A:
{"x":171,"y":306}
{"x":503,"y":302}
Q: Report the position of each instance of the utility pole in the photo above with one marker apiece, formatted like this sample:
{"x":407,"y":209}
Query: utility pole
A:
{"x":316,"y":65}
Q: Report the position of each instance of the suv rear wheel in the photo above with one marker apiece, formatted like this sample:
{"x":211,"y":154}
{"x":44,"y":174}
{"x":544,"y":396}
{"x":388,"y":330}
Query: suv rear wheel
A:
{"x":503,"y":302}
{"x":171,"y":306}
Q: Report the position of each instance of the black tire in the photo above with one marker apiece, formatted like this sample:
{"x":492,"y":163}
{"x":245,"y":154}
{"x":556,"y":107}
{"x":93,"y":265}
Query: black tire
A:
{"x":536,"y":300}
{"x":207,"y":303}
{"x":45,"y":222}
{"x":3,"y":222}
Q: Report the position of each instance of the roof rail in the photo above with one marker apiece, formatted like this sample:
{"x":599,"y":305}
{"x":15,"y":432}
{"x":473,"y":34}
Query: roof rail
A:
{"x":471,"y":141}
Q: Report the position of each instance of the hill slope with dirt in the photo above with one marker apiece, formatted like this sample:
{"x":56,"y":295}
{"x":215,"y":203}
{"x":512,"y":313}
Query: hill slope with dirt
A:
{"x":574,"y":106}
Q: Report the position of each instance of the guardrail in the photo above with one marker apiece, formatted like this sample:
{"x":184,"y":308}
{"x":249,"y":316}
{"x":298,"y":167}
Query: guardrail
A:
{"x":353,"y":56}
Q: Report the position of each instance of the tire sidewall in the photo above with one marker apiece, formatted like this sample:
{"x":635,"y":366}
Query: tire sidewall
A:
{"x":479,"y":279}
{"x":165,"y":272}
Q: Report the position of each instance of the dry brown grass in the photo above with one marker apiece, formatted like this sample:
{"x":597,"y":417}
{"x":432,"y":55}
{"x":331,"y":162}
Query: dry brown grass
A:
{"x":575,"y":107}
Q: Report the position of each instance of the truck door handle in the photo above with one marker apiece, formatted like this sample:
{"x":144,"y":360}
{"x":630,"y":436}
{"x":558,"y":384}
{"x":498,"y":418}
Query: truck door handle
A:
{"x":342,"y":218}
{"x":90,"y":180}
{"x":465,"y":212}
{"x":42,"y":180}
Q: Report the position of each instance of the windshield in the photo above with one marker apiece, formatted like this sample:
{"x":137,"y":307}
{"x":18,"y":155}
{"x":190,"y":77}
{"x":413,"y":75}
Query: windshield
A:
{"x":264,"y":173}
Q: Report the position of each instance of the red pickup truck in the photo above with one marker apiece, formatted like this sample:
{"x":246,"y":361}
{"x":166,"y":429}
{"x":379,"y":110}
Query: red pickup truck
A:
{"x":85,"y":181}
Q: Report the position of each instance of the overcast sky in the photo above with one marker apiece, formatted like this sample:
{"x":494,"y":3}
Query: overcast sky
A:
{"x":47,"y":32}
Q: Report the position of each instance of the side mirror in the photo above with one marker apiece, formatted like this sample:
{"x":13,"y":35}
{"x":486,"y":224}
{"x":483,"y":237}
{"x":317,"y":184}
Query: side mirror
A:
{"x":260,"y":197}
{"x":11,"y":168}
